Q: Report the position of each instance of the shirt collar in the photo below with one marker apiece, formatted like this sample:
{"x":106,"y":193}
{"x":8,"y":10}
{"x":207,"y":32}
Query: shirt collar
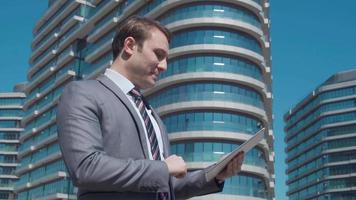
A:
{"x":121,"y":81}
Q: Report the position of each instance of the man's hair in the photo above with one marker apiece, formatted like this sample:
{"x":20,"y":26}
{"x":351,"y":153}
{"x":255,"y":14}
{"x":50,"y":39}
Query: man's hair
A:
{"x":138,"y":28}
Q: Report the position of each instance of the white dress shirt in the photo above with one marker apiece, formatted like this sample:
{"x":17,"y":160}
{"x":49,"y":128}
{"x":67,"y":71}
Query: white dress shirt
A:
{"x":126,"y":86}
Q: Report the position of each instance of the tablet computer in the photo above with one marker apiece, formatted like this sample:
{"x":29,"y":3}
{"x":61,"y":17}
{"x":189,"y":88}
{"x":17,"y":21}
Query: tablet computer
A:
{"x":217,"y":167}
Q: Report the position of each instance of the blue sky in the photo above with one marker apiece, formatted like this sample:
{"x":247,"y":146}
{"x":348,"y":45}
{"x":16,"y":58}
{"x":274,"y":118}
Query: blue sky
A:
{"x":311,"y":40}
{"x":17,"y":19}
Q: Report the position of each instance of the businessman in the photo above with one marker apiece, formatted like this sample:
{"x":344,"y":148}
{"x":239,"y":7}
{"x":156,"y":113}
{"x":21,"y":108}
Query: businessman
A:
{"x":113,"y":143}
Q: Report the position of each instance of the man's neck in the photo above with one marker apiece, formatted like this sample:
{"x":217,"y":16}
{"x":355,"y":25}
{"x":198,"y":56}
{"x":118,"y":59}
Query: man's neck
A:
{"x":118,"y":67}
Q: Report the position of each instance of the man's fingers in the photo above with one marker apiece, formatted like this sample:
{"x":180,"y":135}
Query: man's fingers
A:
{"x":240,"y":155}
{"x":236,"y":167}
{"x":233,"y":167}
{"x":237,"y":161}
{"x":176,"y":166}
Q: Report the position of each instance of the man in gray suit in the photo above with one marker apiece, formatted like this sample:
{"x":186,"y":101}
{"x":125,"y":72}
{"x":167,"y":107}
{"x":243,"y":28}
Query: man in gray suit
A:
{"x":114,"y":145}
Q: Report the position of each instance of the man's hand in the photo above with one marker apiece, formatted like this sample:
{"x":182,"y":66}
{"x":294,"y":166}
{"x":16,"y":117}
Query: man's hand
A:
{"x":176,"y":166}
{"x":233,"y":168}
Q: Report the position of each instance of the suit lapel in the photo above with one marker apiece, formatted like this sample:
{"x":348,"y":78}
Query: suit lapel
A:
{"x":110,"y":85}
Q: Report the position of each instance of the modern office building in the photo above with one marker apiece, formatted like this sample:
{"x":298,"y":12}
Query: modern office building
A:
{"x":216,"y":91}
{"x":321,"y":142}
{"x":11,"y":112}
{"x":54,"y":61}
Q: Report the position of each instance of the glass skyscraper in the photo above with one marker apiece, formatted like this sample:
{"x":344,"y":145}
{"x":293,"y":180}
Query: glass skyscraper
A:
{"x":321,"y":142}
{"x":217,"y":88}
{"x":11,"y":112}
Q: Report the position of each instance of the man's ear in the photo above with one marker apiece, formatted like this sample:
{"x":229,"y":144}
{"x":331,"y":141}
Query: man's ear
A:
{"x":130,"y":45}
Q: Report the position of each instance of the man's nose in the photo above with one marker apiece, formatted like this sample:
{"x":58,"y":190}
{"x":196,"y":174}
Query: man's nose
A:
{"x":162,"y":66}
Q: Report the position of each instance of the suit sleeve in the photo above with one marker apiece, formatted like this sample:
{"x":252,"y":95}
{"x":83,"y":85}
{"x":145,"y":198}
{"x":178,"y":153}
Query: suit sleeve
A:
{"x":195,"y":184}
{"x":90,"y":167}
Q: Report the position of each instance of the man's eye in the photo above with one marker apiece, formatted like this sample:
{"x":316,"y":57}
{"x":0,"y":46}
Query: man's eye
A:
{"x":160,"y":55}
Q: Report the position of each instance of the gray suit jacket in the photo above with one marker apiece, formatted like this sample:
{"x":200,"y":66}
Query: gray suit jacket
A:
{"x":104,"y":147}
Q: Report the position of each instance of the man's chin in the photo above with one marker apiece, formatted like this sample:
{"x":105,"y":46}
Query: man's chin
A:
{"x":149,"y":85}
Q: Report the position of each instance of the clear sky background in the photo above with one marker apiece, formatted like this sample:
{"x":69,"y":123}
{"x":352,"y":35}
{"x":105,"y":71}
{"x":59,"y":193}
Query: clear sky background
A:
{"x":17,"y":19}
{"x":311,"y":40}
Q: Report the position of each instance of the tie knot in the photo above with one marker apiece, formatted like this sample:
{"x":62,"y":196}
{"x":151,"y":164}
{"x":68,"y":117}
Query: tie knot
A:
{"x":136,"y":93}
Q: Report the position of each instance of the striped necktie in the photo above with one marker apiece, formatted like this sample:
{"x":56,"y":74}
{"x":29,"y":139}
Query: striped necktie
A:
{"x":151,"y":133}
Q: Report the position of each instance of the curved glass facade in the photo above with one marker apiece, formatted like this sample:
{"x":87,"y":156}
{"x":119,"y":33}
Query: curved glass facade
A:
{"x":333,"y":94}
{"x":188,"y":66}
{"x":207,"y":35}
{"x":11,"y":114}
{"x":318,"y":150}
{"x":210,"y":120}
{"x":11,"y":101}
{"x":55,"y":61}
{"x":331,"y":119}
{"x":311,"y":141}
{"x":320,"y":135}
{"x":246,"y":185}
{"x":79,"y":50}
{"x":62,"y":186}
{"x":317,"y":165}
{"x":210,"y":9}
{"x":212,"y":63}
{"x":207,"y":91}
{"x":205,"y":151}
{"x":322,"y":109}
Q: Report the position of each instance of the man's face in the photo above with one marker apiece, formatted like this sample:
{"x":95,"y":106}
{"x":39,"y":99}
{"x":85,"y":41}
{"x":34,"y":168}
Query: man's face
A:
{"x":148,"y":61}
